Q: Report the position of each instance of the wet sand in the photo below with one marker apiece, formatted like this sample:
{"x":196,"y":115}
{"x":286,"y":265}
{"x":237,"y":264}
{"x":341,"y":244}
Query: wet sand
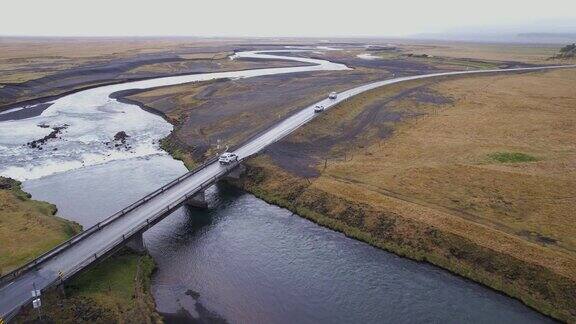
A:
{"x":28,"y":112}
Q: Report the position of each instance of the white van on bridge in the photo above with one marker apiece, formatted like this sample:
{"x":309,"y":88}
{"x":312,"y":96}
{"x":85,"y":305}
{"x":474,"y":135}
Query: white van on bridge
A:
{"x":227,"y":158}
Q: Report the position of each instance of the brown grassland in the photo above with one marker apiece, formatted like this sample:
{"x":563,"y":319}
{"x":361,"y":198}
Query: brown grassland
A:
{"x":536,"y":54}
{"x":23,"y":59}
{"x":484,"y":185}
{"x":113,"y":291}
{"x":28,"y":227}
{"x":17,"y":55}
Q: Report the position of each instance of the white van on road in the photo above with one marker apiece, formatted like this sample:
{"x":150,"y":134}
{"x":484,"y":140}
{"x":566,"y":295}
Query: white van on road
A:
{"x":227,"y":158}
{"x":332,"y":95}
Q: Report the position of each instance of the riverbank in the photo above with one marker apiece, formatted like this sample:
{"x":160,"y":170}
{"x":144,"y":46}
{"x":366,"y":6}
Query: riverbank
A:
{"x":210,"y":116}
{"x":417,"y":169}
{"x":116,"y":290}
{"x":425,"y":243}
{"x":28,"y":227}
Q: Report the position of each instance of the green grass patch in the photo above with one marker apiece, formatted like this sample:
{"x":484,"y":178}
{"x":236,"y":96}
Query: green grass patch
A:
{"x":113,"y":291}
{"x":512,"y":157}
{"x":28,"y":227}
{"x":178,"y":153}
{"x":113,"y":279}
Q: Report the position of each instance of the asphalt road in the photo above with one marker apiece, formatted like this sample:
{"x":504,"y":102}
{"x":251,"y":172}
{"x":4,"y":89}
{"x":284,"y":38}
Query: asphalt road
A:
{"x":18,"y":292}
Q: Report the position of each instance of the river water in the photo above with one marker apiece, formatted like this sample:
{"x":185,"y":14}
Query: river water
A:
{"x":246,"y":261}
{"x":242,"y":260}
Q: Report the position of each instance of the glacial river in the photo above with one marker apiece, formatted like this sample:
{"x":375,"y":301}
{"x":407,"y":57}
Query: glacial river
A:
{"x":242,"y":260}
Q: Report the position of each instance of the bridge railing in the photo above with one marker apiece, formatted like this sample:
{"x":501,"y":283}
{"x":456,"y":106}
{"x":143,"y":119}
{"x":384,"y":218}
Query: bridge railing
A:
{"x":127,"y":235}
{"x":98,"y":226}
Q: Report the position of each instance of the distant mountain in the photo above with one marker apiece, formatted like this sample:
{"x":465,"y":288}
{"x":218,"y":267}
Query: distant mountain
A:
{"x":541,"y":38}
{"x":551,"y":31}
{"x":549,"y":37}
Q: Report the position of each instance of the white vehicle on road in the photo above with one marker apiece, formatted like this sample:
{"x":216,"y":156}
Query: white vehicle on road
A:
{"x":332,"y":95}
{"x":227,"y":158}
{"x":318,"y":109}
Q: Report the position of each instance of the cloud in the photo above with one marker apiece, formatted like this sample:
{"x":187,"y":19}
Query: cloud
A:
{"x":270,"y":18}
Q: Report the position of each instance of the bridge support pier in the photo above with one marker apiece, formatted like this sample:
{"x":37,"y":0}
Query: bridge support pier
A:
{"x":136,"y":243}
{"x":198,"y":200}
{"x":236,"y":172}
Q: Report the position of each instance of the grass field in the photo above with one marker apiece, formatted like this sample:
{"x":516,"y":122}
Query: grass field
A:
{"x":482,"y":183}
{"x":23,"y":59}
{"x":115,"y":290}
{"x":535,"y":54}
{"x":28,"y":227}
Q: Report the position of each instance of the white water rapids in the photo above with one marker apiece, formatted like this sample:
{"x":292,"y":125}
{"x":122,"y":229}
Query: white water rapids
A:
{"x":93,"y":118}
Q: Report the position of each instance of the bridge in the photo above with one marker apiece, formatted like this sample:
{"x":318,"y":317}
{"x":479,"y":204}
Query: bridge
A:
{"x":126,"y":226}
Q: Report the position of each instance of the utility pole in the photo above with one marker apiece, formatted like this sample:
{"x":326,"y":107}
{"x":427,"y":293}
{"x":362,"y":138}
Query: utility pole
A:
{"x":36,"y":302}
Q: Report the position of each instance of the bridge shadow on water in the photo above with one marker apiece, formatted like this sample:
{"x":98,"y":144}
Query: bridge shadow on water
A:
{"x":171,"y":242}
{"x":188,"y":224}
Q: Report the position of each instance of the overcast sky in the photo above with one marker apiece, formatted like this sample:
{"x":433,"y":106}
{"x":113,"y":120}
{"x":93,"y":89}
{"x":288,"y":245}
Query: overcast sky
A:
{"x":277,"y":18}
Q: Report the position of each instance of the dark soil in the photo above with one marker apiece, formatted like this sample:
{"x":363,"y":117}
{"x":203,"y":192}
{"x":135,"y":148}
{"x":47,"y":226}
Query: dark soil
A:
{"x":110,"y":71}
{"x":400,"y":67}
{"x":249,"y":106}
{"x":301,"y":158}
{"x":232,"y":111}
{"x":79,"y":77}
{"x":31,"y":111}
